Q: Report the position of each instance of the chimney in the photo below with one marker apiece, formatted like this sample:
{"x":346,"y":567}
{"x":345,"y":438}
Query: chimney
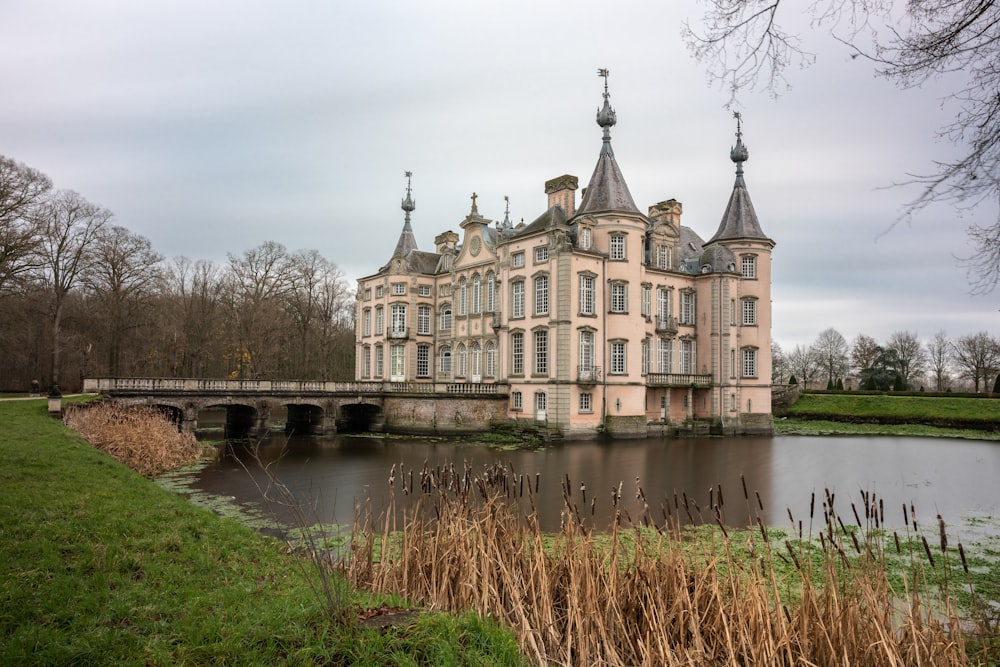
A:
{"x":562,"y":193}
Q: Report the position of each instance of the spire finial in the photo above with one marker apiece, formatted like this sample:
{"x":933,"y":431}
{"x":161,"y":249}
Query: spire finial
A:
{"x":506,"y":224}
{"x":474,"y":213}
{"x":606,"y":117}
{"x":739,"y":153}
{"x":408,"y":204}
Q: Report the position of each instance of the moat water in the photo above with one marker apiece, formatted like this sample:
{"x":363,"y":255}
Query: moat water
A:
{"x":958,"y":479}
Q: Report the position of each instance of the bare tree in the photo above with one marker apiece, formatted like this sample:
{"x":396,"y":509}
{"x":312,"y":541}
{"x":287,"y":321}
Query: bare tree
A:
{"x":978,"y":358}
{"x":316,"y":305}
{"x":804,"y":365}
{"x":864,"y":353}
{"x":70,"y":224}
{"x":253,"y":291}
{"x":125,"y":273}
{"x":22,"y":191}
{"x":911,"y":360}
{"x":830,"y":350}
{"x":939,"y":350}
{"x":744,"y":45}
{"x":779,"y":364}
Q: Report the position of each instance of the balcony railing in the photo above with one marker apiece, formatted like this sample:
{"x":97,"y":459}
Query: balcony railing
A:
{"x":666,"y":324}
{"x":678,"y":380}
{"x":587,"y":374}
{"x":397,"y":332}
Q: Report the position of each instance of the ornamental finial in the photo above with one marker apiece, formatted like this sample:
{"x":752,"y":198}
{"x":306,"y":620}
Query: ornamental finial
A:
{"x":739,"y":153}
{"x":408,"y":204}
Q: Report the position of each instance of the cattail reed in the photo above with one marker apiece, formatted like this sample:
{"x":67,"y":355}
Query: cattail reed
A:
{"x":961,"y":554}
{"x":943,"y":534}
{"x":927,"y":550}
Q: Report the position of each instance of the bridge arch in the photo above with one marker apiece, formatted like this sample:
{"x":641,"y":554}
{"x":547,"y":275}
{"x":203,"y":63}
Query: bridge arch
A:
{"x":360,"y":417}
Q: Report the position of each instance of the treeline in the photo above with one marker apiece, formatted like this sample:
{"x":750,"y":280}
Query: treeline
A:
{"x":83,"y":297}
{"x":901,"y":363}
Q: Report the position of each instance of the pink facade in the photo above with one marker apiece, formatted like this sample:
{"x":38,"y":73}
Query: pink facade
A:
{"x":595,"y":318}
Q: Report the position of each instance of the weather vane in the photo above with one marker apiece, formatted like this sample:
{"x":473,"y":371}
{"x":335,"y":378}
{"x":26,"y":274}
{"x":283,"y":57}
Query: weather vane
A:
{"x":603,"y":72}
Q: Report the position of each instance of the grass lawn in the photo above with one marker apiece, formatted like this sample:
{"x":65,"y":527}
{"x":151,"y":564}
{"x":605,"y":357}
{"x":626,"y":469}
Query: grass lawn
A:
{"x":99,"y":565}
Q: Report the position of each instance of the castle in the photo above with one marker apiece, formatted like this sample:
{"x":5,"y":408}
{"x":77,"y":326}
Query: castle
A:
{"x":594,"y":318}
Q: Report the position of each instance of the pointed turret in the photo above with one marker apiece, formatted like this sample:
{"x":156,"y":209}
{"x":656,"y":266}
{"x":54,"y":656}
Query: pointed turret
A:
{"x":407,"y":241}
{"x":739,"y":221}
{"x":607,"y":190}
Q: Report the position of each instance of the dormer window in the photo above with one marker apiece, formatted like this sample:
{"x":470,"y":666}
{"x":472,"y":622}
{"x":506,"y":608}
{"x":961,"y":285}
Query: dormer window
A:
{"x":584,"y":238}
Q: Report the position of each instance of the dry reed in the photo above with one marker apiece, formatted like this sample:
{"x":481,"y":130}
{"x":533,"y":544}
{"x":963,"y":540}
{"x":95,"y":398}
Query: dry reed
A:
{"x":141,"y":437}
{"x":646,"y":596}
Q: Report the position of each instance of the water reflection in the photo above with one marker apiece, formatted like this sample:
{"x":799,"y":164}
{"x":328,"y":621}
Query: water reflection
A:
{"x":954,"y":478}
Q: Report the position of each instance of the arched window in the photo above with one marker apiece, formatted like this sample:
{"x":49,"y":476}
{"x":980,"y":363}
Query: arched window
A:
{"x":476,"y":295}
{"x":461,"y":362}
{"x":463,"y":297}
{"x":445,"y":356}
{"x":491,"y":292}
{"x":446,"y":318}
{"x":477,"y":361}
{"x":491,"y":360}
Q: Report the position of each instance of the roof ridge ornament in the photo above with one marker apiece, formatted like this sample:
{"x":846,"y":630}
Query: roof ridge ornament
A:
{"x":606,"y":117}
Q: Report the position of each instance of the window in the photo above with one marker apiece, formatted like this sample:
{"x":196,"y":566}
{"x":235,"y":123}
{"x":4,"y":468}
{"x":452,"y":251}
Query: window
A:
{"x":540,"y":403}
{"x":732,"y":363}
{"x":423,"y":361}
{"x":463,"y":295}
{"x":517,"y":260}
{"x":366,"y":319}
{"x":584,"y":238}
{"x":424,"y":290}
{"x":476,"y":295}
{"x":663,"y":258}
{"x":516,"y":402}
{"x":399,"y":319}
{"x":647,"y":298}
{"x":461,"y":362}
{"x":618,"y":365}
{"x":663,"y":303}
{"x":379,"y":320}
{"x":541,"y":295}
{"x":367,"y":362}
{"x":368,"y":294}
{"x":749,"y":312}
{"x":399,"y":288}
{"x":477,"y":362}
{"x":379,"y":292}
{"x":541,"y":352}
{"x":491,"y":360}
{"x":517,"y":353}
{"x":646,"y":356}
{"x":619,"y":297}
{"x":491,"y":292}
{"x":446,"y":318}
{"x":517,"y":298}
{"x":687,"y":356}
{"x":664,"y":355}
{"x":587,"y":356}
{"x":423,"y":319}
{"x":587,"y":295}
{"x":732,"y":312}
{"x":749,"y":362}
{"x":749,"y":266}
{"x":541,"y":254}
{"x":687,"y":308}
{"x":586,"y":402}
{"x":445,"y":360}
{"x":617,"y":247}
{"x":379,"y":361}
{"x":397,"y":363}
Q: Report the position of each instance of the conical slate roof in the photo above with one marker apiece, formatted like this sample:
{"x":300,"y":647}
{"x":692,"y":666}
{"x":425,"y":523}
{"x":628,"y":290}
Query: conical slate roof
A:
{"x":740,"y":220}
{"x":607,"y":190}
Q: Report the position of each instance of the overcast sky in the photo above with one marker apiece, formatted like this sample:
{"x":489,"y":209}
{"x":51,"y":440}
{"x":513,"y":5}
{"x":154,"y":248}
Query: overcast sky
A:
{"x":212,"y":127}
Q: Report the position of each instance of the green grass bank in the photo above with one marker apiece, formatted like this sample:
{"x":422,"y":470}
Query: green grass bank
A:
{"x":885,"y":414}
{"x":100,"y":566}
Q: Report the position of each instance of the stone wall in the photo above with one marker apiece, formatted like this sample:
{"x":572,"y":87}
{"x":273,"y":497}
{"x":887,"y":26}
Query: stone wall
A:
{"x":443,"y":414}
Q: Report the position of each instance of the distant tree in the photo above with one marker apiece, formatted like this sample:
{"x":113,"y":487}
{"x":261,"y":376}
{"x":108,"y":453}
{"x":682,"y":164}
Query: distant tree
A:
{"x":69,"y":226}
{"x":318,"y":304}
{"x":22,"y":192}
{"x":124,"y":275}
{"x":864,"y":352}
{"x":840,"y":384}
{"x":884,"y":373}
{"x":803,"y":363}
{"x":779,"y":365}
{"x":911,"y":360}
{"x":830,"y":350}
{"x":977,"y":356}
{"x":745,"y":45}
{"x":939,"y":350}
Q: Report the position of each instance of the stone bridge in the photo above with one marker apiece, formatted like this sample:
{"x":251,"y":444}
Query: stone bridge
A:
{"x":314,"y":406}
